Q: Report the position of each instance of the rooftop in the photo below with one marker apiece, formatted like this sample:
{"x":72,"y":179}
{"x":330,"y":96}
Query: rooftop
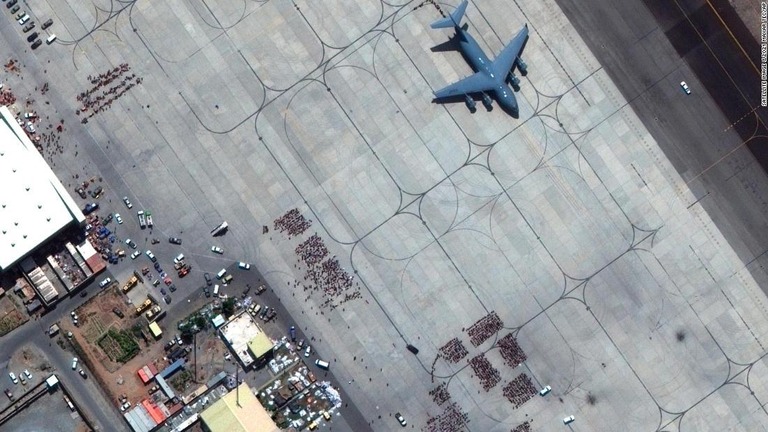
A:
{"x":34,"y":205}
{"x":238,"y":332}
{"x":238,"y":411}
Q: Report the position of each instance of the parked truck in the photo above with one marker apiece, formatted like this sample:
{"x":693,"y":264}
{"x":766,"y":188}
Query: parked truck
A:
{"x":142,"y":219}
{"x":149,"y":219}
{"x":153,"y":313}
{"x":53,"y":330}
{"x":144,"y":306}
{"x":130,"y":284}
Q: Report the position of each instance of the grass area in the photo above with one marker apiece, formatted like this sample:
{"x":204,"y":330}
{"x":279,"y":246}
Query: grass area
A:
{"x":119,"y":345}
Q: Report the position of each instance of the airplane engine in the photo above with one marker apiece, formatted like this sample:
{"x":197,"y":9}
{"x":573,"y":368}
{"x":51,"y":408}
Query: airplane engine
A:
{"x":470,"y":103}
{"x":522,"y":67}
{"x":513,"y":80}
{"x":487,"y":102}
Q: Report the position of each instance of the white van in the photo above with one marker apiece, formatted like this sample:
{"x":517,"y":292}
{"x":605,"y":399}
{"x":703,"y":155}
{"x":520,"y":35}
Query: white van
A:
{"x":50,"y":39}
{"x":216,"y":289}
{"x":221,"y":273}
{"x":322,"y":364}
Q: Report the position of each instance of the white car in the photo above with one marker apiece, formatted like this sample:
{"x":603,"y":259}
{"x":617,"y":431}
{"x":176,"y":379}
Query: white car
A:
{"x":307,"y":351}
{"x":118,"y":218}
{"x":179,"y":258}
{"x":26,"y":372}
{"x":24,"y":19}
{"x":130,"y":243}
{"x":569,"y":419}
{"x":30,"y":126}
{"x":13,"y":377}
{"x":244,"y":266}
{"x":74,"y":363}
{"x":135,"y":254}
{"x":685,"y":87}
{"x":127,"y":202}
{"x":400,"y":419}
{"x":150,"y":255}
{"x":217,"y":250}
{"x":105,"y":282}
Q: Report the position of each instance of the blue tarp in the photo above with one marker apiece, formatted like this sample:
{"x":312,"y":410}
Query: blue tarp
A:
{"x":170,"y":370}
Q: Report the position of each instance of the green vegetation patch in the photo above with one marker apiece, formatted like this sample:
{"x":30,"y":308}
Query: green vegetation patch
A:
{"x":119,"y":345}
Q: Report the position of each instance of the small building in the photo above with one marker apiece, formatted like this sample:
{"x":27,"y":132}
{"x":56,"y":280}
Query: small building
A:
{"x":172,"y":368}
{"x":238,"y":411}
{"x":238,"y":332}
{"x":218,"y":321}
{"x":52,"y":381}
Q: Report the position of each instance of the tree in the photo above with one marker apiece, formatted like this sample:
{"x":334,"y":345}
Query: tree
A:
{"x":228,"y":307}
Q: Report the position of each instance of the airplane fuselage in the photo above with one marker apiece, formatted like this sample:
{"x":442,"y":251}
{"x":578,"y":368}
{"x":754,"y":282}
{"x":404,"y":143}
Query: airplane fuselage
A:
{"x":480,"y":63}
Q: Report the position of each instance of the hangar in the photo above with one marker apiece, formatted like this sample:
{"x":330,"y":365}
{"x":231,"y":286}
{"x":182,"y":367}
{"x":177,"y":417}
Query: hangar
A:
{"x":34,"y":205}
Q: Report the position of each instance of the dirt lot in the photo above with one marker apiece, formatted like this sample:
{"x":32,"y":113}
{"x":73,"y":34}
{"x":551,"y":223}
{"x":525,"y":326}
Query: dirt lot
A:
{"x":97,"y":320}
{"x":11,"y":315}
{"x":31,"y":359}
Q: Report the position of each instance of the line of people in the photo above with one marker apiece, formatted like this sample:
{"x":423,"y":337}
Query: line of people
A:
{"x":453,"y":351}
{"x":520,"y":390}
{"x":488,"y":375}
{"x":484,"y":328}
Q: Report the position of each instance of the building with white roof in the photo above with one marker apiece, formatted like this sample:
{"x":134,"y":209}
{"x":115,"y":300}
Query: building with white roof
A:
{"x":34,"y":205}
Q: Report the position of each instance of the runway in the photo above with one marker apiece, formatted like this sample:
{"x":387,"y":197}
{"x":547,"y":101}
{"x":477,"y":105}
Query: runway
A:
{"x":716,"y":138}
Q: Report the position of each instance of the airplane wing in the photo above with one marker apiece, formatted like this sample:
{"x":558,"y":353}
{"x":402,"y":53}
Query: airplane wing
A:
{"x":476,"y":83}
{"x":504,"y":63}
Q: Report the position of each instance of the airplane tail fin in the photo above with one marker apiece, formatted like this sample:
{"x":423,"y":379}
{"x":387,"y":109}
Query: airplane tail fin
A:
{"x":453,"y":20}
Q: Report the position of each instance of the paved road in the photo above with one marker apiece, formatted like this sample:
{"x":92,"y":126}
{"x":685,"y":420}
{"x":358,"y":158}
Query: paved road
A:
{"x":647,"y":48}
{"x":88,"y":395}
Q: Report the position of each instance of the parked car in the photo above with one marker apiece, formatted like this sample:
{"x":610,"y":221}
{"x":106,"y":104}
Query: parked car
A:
{"x":216,"y":249}
{"x":82,"y":373}
{"x":74,"y":363}
{"x":244,"y":266}
{"x":685,"y":87}
{"x":36,"y":44}
{"x":150,"y":255}
{"x":135,"y":254}
{"x":118,"y":218}
{"x":163,"y":291}
{"x":30,"y":38}
{"x":400,"y":419}
{"x":27,"y":373}
{"x":31,"y":127}
{"x":105,"y":282}
{"x":47,"y":24}
{"x":158,"y":268}
{"x":130,"y":243}
{"x":11,"y":4}
{"x":15,"y":8}
{"x":174,"y":240}
{"x":127,"y":202}
{"x":80,"y":191}
{"x":9,"y":394}
{"x":24,"y":19}
{"x":13,"y":378}
{"x":118,"y":312}
{"x":206,"y":291}
{"x":30,"y":25}
{"x":172,"y":287}
{"x":167,"y":299}
{"x":107,"y":219}
{"x":90,"y":208}
{"x":207,"y":279}
{"x":97,"y":192}
{"x":308,"y":351}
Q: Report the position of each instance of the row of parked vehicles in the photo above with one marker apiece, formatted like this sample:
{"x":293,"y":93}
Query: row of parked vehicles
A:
{"x":24,"y":20}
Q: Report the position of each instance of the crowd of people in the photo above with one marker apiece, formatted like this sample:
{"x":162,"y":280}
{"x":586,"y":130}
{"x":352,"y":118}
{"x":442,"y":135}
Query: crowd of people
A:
{"x":96,"y":99}
{"x":293,"y":223}
{"x":453,"y":351}
{"x":312,"y":251}
{"x":323,"y":274}
{"x":450,"y":420}
{"x":330,"y":279}
{"x":440,"y":394}
{"x":484,"y":328}
{"x":520,"y":390}
{"x":522,"y":427}
{"x":510,"y":351}
{"x":488,"y":375}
